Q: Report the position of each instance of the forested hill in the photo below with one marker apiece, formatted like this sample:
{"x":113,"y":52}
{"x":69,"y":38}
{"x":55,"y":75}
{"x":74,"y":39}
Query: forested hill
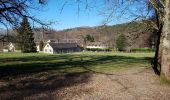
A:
{"x":137,"y":34}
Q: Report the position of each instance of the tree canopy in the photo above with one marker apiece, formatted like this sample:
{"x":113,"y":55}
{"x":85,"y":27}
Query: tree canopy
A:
{"x":12,"y":11}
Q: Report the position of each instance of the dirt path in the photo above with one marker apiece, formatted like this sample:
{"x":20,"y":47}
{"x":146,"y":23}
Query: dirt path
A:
{"x":134,"y":84}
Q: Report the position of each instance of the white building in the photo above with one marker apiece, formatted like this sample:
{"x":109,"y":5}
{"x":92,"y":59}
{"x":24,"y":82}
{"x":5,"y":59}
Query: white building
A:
{"x":9,"y":48}
{"x":48,"y":49}
{"x":38,"y":48}
{"x":96,"y":45}
{"x":55,"y":47}
{"x":52,"y":40}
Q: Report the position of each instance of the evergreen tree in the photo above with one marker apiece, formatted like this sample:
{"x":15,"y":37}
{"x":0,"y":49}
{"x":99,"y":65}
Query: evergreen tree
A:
{"x":121,"y":42}
{"x":25,"y":37}
{"x":89,"y":38}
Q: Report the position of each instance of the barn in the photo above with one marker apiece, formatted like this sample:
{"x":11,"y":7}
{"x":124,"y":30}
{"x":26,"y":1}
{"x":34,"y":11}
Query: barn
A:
{"x":57,"y":47}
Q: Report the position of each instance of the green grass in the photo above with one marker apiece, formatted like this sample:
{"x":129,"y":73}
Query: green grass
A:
{"x":13,"y":64}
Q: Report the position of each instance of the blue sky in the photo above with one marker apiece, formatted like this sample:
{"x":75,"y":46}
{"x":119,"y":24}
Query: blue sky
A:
{"x":69,"y":18}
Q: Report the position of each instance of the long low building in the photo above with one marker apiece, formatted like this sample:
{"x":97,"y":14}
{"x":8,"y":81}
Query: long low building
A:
{"x":96,"y":45}
{"x":55,"y":47}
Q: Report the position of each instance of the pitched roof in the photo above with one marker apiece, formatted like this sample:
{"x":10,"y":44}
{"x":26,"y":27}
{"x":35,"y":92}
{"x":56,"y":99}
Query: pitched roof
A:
{"x":63,"y":40}
{"x":56,"y":45}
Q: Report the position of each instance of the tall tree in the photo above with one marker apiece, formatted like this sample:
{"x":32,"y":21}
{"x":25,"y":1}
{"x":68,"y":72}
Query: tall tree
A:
{"x":12,"y":11}
{"x":157,"y":7}
{"x":25,"y":37}
{"x":166,"y":42}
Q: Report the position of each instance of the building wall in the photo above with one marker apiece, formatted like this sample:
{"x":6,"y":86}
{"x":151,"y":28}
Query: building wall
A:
{"x":38,"y":48}
{"x":5,"y":50}
{"x":11,"y":47}
{"x":68,"y":50}
{"x":96,"y":47}
{"x":48,"y":49}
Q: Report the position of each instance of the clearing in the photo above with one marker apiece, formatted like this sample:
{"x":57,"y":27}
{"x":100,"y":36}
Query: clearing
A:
{"x":80,"y":76}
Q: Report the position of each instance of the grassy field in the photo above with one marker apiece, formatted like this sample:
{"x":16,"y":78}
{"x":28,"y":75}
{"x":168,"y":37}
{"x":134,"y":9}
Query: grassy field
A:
{"x":80,"y":76}
{"x":14,"y":64}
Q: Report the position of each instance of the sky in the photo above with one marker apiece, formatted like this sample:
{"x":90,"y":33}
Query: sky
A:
{"x":69,"y":17}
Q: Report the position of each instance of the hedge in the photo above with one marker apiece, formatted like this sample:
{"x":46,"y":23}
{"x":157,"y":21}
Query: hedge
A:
{"x":142,"y":50}
{"x":98,"y":49}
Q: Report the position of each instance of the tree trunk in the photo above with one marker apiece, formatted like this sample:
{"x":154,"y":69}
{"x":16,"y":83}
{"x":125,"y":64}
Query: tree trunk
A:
{"x":165,"y":66}
{"x":157,"y":62}
{"x":157,"y":58}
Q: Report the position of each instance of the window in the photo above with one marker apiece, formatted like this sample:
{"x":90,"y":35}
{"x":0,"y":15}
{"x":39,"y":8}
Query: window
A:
{"x":45,"y":50}
{"x":47,"y":45}
{"x":50,"y":50}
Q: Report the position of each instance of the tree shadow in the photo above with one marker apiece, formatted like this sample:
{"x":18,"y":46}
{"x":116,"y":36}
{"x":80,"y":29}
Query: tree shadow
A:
{"x":22,"y":81}
{"x":31,"y":65}
{"x":18,"y":90}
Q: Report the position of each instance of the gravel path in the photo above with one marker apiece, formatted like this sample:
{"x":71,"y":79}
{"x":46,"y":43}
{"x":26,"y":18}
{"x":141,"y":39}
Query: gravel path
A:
{"x":134,"y":84}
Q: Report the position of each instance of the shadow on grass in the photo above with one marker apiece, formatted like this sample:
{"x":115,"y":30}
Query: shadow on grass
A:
{"x":36,"y":64}
{"x":26,"y":84}
{"x":42,"y":88}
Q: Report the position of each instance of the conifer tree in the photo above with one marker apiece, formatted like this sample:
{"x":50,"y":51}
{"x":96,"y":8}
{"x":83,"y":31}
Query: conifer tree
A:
{"x":121,"y":42}
{"x":25,"y":37}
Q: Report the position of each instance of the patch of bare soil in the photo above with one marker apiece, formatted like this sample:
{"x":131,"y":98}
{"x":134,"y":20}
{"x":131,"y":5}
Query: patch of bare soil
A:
{"x":134,"y":84}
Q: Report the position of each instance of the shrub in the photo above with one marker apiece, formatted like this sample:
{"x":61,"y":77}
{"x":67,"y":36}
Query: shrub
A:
{"x":89,"y":38}
{"x":142,"y":50}
{"x":98,"y":49}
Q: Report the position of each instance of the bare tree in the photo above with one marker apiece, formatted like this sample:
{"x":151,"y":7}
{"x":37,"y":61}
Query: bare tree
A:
{"x":12,"y":11}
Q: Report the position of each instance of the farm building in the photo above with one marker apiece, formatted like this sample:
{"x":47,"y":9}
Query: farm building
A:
{"x":38,"y":47}
{"x":9,"y":48}
{"x":7,"y":43}
{"x":52,"y":40}
{"x":59,"y":47}
{"x":96,"y":45}
{"x":2,"y":45}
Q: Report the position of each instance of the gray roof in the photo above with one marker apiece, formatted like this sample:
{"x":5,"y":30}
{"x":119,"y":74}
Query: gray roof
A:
{"x":56,"y":45}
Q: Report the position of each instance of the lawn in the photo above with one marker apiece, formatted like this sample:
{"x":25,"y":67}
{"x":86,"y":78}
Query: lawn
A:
{"x":18,"y":64}
{"x":79,"y":76}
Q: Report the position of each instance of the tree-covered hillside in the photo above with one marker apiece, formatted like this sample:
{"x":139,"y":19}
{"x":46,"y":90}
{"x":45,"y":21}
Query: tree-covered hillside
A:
{"x":138,"y":34}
